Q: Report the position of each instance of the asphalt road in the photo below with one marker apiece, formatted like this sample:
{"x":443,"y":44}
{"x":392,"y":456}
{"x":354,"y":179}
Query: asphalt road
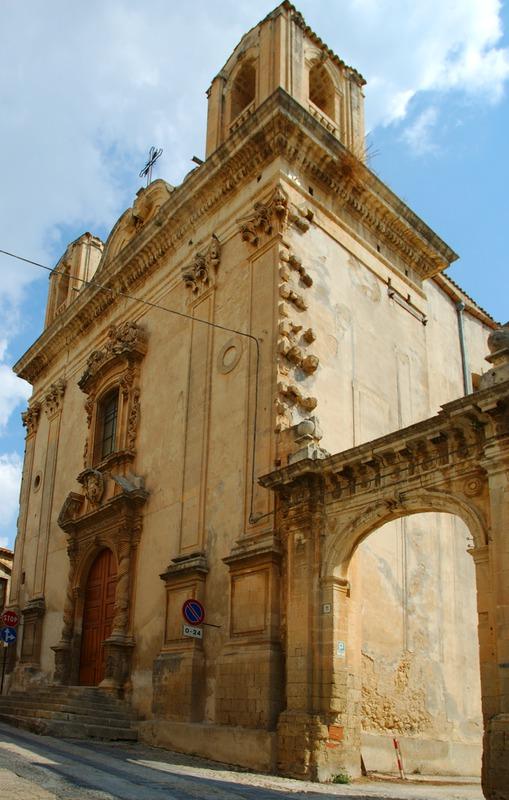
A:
{"x":43,"y":768}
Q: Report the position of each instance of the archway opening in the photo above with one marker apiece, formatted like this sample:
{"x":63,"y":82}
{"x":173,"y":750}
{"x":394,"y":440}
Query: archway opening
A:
{"x":243,"y":90}
{"x":414,"y":587}
{"x":321,"y":89}
{"x":98,"y":613}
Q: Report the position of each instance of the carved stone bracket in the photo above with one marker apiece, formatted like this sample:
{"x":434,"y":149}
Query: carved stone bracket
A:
{"x":30,"y":418}
{"x":53,"y":397}
{"x":267,"y":217}
{"x":200,"y":272}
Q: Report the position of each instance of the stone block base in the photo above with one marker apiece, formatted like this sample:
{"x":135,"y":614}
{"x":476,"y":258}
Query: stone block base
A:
{"x":311,"y":749}
{"x":427,"y":756}
{"x":495,"y":773}
{"x":178,"y":682}
{"x":254,"y":749}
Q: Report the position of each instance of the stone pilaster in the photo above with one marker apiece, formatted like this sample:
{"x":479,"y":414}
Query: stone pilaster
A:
{"x":178,"y":675}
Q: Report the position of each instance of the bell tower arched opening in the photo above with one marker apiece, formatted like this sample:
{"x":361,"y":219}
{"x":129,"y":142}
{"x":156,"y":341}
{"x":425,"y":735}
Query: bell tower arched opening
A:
{"x":243,"y":90}
{"x":321,"y":90}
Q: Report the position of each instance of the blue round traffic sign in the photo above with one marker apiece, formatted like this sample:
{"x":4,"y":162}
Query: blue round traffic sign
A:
{"x":8,"y":635}
{"x":193,"y":612}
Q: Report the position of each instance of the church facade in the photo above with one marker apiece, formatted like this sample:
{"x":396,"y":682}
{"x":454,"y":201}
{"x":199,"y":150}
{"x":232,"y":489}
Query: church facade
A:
{"x":279,"y":305}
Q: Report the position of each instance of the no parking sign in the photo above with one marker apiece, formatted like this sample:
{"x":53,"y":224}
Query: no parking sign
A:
{"x":193,"y":611}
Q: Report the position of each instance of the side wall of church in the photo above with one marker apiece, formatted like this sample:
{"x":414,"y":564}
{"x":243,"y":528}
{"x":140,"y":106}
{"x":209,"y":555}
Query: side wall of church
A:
{"x":380,"y":369}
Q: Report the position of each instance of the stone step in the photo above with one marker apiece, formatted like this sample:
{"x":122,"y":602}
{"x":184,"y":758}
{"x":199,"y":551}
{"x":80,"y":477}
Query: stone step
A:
{"x":73,"y":715}
{"x":89,"y":696}
{"x":78,"y":712}
{"x":68,"y":729}
{"x":90,"y":709}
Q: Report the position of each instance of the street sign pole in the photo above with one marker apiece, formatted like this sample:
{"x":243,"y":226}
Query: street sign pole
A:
{"x":4,"y":661}
{"x":8,"y":636}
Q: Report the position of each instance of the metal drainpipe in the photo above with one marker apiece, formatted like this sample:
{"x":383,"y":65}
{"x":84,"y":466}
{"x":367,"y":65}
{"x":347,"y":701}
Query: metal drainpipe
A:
{"x":467,"y":378}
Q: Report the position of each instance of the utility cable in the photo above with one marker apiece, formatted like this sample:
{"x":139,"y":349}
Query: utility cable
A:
{"x":253,"y":518}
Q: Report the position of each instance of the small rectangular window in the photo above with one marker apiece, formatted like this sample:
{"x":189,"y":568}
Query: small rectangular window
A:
{"x":109,"y":424}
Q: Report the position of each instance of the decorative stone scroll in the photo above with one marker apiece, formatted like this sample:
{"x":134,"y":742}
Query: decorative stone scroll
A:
{"x":203,"y":267}
{"x":30,"y":418}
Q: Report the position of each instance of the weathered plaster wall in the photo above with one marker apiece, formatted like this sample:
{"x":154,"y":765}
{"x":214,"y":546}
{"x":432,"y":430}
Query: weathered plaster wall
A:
{"x":381,"y":369}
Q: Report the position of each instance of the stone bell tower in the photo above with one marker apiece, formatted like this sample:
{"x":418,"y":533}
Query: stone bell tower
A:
{"x":283,"y":52}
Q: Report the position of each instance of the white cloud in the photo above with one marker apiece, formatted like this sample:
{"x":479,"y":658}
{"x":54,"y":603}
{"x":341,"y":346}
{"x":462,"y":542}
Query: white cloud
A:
{"x":418,"y":135}
{"x":10,"y":478}
{"x":13,"y":390}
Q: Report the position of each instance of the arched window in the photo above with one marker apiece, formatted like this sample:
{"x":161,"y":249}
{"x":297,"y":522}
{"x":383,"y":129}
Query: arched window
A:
{"x":106,"y":436}
{"x":321,"y":90}
{"x":62,"y":287}
{"x":243,"y":89}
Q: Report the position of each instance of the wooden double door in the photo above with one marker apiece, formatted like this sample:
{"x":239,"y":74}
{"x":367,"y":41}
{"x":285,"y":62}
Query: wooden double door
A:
{"x":98,"y":616}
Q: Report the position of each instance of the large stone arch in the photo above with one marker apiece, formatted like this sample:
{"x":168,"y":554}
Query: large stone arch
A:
{"x":457,"y":463}
{"x":350,"y":533}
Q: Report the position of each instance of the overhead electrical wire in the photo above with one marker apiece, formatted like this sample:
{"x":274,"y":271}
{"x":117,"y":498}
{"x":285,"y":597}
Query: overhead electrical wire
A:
{"x":253,"y":518}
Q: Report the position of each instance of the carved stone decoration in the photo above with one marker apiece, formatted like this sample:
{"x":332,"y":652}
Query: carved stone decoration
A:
{"x":53,"y":397}
{"x":114,"y":524}
{"x":294,"y":396}
{"x":310,"y":364}
{"x":295,"y":263}
{"x":30,"y":418}
{"x":126,"y":341}
{"x":116,"y":365}
{"x":122,"y":590}
{"x":89,"y":407}
{"x":93,"y":484}
{"x":199,"y":273}
{"x":127,"y":382}
{"x":498,"y":344}
{"x":123,"y":338}
{"x":134,"y":418}
{"x":266,"y":215}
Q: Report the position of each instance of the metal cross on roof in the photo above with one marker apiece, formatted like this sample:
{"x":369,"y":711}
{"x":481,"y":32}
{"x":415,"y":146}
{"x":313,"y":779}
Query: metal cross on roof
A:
{"x":153,"y":155}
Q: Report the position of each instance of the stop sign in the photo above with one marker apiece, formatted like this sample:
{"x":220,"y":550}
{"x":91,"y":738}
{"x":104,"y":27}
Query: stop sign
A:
{"x":9,"y":618}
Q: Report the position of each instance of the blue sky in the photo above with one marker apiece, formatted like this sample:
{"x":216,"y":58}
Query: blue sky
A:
{"x":86,"y":89}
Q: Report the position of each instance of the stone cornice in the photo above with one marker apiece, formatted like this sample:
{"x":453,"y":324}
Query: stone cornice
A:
{"x":459,"y":432}
{"x":279,"y":128}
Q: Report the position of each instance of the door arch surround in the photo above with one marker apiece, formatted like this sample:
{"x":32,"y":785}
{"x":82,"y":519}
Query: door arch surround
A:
{"x":97,"y":617}
{"x":456,"y":462}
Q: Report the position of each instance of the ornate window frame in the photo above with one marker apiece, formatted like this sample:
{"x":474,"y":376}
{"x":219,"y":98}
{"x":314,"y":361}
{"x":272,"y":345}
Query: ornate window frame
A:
{"x":116,"y":365}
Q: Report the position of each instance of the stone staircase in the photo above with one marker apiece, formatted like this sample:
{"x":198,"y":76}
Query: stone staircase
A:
{"x":68,"y":711}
